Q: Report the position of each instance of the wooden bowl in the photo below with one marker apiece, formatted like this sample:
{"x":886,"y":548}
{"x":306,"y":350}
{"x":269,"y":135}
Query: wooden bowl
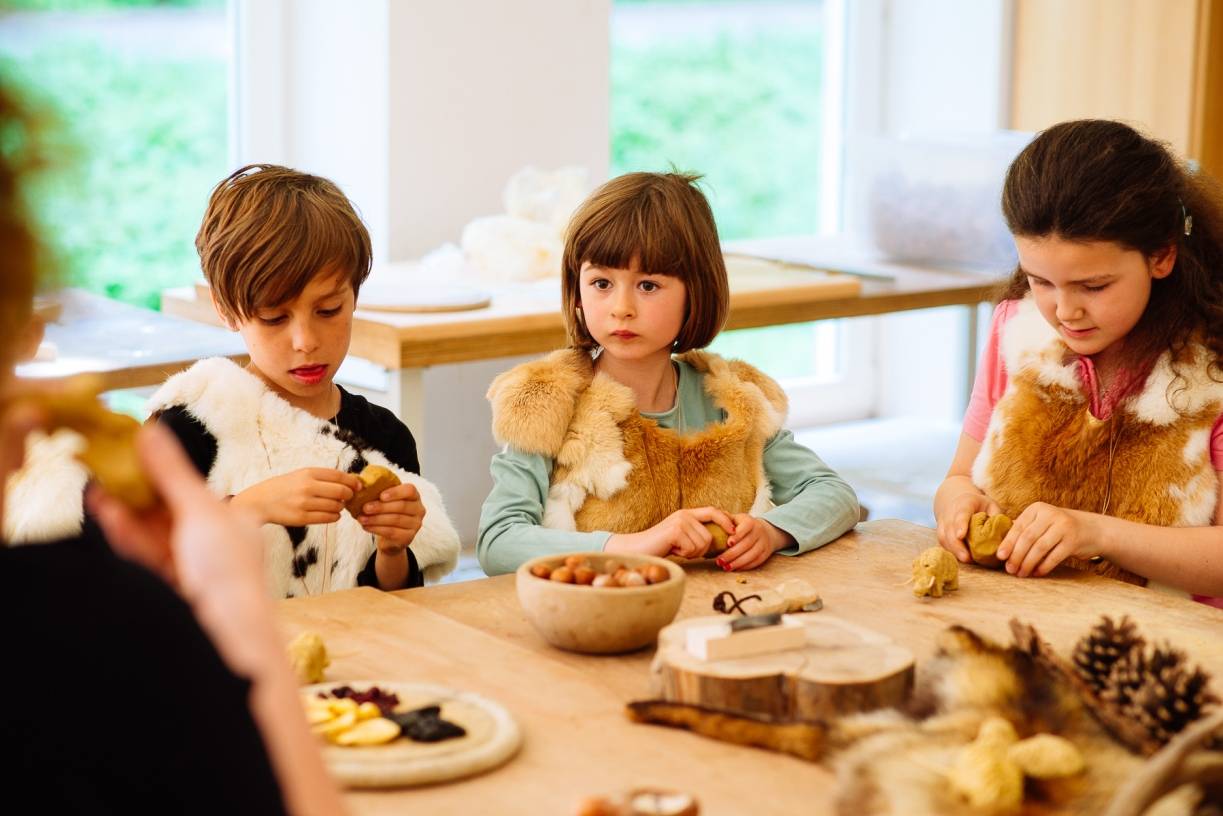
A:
{"x":599,"y":620}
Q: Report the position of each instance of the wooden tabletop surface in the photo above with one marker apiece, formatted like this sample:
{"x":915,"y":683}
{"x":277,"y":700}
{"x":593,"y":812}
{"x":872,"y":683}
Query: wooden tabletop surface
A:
{"x":126,"y":346}
{"x":473,"y":636}
{"x":526,"y":318}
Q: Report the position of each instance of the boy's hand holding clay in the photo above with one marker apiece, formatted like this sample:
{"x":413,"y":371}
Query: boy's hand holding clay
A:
{"x":300,"y":497}
{"x":394,"y":517}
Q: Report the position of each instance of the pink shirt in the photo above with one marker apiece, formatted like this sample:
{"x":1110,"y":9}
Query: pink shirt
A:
{"x":991,"y":383}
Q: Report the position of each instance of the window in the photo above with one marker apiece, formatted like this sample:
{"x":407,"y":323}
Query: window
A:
{"x":135,"y":97}
{"x":748,"y":94}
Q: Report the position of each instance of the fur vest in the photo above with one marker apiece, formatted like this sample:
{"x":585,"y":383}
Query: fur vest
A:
{"x":258,"y":436}
{"x":614,"y":469}
{"x":1043,"y":443}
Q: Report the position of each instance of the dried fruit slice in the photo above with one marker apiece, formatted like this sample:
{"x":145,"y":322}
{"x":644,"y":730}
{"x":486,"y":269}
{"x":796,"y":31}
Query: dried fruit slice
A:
{"x":332,"y":728}
{"x":376,"y":731}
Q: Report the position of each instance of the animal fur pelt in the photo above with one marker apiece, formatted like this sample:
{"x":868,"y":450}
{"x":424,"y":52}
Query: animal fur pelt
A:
{"x":1148,"y":462}
{"x":619,"y":471}
{"x":894,"y":762}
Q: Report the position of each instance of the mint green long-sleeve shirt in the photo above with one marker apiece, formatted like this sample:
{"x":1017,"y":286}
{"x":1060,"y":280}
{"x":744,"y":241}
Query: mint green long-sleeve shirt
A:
{"x":814,"y":504}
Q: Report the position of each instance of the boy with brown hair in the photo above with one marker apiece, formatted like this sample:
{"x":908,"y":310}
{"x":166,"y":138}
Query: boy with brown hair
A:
{"x":285,"y":255}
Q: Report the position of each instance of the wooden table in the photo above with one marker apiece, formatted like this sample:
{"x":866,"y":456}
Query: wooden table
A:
{"x":526,"y":318}
{"x":126,"y":346}
{"x":473,"y":636}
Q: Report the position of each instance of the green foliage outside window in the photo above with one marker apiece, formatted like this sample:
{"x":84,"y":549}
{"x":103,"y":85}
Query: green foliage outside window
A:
{"x":137,"y":142}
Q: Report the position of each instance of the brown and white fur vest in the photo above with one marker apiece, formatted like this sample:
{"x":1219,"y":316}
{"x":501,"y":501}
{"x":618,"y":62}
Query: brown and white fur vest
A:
{"x":1043,"y":444}
{"x":614,"y":469}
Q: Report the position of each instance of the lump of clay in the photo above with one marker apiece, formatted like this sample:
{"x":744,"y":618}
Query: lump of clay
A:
{"x":374,"y":480}
{"x":935,"y":570}
{"x":799,"y":595}
{"x":308,"y":656}
{"x":720,"y":537}
{"x":984,"y":775}
{"x":1047,"y":756}
{"x":985,"y":533}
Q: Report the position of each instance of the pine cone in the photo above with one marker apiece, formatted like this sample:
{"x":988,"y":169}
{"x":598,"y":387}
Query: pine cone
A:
{"x":1096,"y":653}
{"x":1125,"y":679}
{"x":1171,"y":695}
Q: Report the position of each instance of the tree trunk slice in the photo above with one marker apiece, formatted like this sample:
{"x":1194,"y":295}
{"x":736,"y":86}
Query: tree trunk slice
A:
{"x":843,"y":669}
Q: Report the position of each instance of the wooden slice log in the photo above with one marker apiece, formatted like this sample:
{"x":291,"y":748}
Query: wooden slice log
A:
{"x":843,"y":669}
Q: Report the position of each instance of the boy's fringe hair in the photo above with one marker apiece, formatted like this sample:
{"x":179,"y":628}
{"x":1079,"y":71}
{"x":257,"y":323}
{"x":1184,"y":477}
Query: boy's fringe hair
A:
{"x":1099,"y":180}
{"x":269,"y":230}
{"x":662,"y":221}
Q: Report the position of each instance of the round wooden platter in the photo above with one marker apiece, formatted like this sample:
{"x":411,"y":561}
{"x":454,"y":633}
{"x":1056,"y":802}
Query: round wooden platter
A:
{"x":492,"y":738}
{"x":843,"y":669}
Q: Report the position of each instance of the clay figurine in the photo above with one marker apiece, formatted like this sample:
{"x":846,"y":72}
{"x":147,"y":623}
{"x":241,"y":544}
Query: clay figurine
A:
{"x":933,"y":571}
{"x":985,"y":533}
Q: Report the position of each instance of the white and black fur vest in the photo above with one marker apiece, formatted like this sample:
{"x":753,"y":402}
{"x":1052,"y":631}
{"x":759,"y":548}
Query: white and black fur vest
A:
{"x":259,"y":435}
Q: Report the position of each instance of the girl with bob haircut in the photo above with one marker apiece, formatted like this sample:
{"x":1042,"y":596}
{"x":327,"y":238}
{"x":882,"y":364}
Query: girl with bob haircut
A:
{"x":1096,"y":421}
{"x":632,"y":439}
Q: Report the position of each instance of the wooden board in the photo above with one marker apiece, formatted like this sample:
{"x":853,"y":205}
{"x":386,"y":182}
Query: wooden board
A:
{"x":492,"y":739}
{"x":844,"y":668}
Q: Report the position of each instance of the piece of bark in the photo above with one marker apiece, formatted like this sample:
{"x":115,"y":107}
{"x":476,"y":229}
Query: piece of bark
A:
{"x":803,"y":739}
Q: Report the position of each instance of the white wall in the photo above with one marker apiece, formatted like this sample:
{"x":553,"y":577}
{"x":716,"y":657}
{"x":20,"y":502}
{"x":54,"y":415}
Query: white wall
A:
{"x":481,"y":89}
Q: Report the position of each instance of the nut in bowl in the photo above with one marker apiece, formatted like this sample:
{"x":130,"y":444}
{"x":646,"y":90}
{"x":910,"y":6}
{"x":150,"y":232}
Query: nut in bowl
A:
{"x":621,"y":605}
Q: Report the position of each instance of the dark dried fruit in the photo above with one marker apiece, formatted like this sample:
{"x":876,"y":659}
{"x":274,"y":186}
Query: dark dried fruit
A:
{"x":385,"y":700}
{"x":426,"y":725}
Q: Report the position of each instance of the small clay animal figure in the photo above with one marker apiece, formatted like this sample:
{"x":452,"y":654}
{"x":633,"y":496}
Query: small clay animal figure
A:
{"x":985,"y":533}
{"x":933,"y":571}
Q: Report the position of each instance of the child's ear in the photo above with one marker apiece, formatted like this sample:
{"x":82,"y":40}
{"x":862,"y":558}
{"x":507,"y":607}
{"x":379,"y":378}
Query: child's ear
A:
{"x":1161,"y":262}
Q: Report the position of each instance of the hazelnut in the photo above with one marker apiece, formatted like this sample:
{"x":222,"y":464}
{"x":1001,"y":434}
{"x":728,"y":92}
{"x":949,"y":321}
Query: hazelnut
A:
{"x":583,"y":575}
{"x":541,"y":571}
{"x":611,"y":565}
{"x":643,"y":569}
{"x":656,"y":574}
{"x":575,"y":561}
{"x":604,"y":581}
{"x":618,"y":576}
{"x":632,"y":579}
{"x":562,"y":574}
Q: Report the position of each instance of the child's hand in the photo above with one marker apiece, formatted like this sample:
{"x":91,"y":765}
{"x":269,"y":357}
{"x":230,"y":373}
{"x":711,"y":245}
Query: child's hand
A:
{"x":682,"y":533}
{"x":300,"y":497}
{"x":1044,"y":536}
{"x":953,"y":522}
{"x":395,"y":518}
{"x":752,"y":543}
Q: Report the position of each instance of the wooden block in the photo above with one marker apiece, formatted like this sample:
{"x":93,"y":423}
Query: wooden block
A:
{"x":716,"y":641}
